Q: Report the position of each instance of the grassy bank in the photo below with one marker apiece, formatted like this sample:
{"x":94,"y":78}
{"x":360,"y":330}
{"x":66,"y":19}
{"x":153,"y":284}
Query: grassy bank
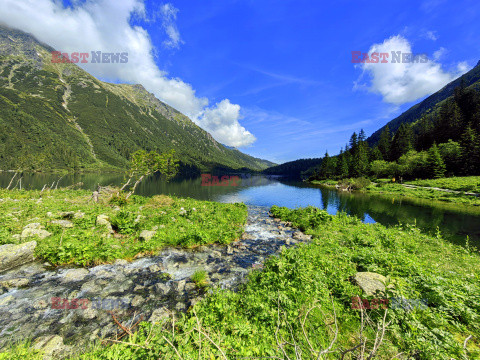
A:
{"x":465,"y":183}
{"x":78,"y":237}
{"x":395,"y":189}
{"x":300,"y":304}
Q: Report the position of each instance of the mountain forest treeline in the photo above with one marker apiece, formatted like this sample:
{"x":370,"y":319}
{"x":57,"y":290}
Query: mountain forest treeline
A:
{"x":443,"y":142}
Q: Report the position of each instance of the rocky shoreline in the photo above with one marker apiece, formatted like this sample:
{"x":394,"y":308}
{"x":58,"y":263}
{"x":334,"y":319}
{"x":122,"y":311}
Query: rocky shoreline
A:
{"x":59,"y":309}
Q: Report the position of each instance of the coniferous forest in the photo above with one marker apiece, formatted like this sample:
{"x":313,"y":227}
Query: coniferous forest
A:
{"x":443,"y":142}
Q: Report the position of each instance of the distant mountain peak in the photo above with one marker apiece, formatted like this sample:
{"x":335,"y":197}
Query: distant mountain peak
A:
{"x":56,"y":116}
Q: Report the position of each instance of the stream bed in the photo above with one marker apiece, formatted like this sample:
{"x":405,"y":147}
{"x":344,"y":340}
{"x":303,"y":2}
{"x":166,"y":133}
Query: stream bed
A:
{"x":76,"y":305}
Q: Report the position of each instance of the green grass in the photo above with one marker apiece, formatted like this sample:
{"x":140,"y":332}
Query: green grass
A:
{"x":427,"y":194}
{"x":200,"y":278}
{"x":466,"y":183}
{"x":294,"y":297}
{"x":179,"y":222}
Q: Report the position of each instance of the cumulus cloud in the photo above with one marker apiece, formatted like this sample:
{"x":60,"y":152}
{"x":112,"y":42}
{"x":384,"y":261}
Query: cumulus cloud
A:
{"x":222,"y":122}
{"x":400,"y":83}
{"x":104,"y":25}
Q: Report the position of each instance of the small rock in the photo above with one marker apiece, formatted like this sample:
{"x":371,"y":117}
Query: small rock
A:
{"x":229,"y":250}
{"x":6,"y":300}
{"x":63,"y":223}
{"x":51,"y":346}
{"x":50,"y":214}
{"x":146,"y":235}
{"x":40,"y":304}
{"x":75,"y":275}
{"x":158,"y":315}
{"x":180,"y":285}
{"x":66,"y":214}
{"x":163,"y":289}
{"x":189,"y":286}
{"x":180,"y":306}
{"x":216,"y":253}
{"x":139,"y":288}
{"x":370,"y":282}
{"x":137,"y":301}
{"x":89,"y":313}
{"x":247,"y":236}
{"x":104,"y":220}
{"x":14,"y":283}
{"x":34,"y":229}
{"x":121,"y":262}
{"x":78,"y":215}
{"x":139,"y":217}
{"x":154,"y":268}
{"x":298,"y":235}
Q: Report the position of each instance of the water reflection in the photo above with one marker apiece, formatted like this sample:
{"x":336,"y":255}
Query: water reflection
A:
{"x":454,"y":221}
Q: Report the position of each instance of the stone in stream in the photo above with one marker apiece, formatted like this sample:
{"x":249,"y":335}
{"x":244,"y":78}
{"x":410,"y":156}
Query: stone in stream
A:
{"x":12,"y":255}
{"x":298,"y":235}
{"x":52,"y":346}
{"x":75,"y":275}
{"x":159,"y":315}
{"x":14,"y":283}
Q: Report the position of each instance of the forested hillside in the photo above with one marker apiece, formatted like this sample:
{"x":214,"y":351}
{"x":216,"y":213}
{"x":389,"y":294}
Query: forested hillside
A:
{"x":57,"y":116}
{"x":443,"y":142}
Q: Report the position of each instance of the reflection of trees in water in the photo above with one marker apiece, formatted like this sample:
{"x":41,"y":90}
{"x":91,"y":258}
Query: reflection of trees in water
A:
{"x":453,"y":225}
{"x":385,"y":210}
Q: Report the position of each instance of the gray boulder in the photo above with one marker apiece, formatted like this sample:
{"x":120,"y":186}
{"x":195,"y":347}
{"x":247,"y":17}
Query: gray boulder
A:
{"x":104,"y":220}
{"x":146,"y":235}
{"x":34,"y":229}
{"x":63,"y":223}
{"x":12,"y":255}
{"x":371,"y":283}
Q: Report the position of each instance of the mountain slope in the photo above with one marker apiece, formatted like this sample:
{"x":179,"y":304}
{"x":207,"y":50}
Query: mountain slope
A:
{"x":471,"y":78}
{"x":56,"y":115}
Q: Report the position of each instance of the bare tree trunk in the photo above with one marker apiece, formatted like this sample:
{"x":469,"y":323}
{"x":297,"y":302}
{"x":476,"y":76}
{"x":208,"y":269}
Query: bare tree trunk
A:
{"x":124,"y":186}
{"x":11,"y":181}
{"x":56,"y":187}
{"x":135,"y":186}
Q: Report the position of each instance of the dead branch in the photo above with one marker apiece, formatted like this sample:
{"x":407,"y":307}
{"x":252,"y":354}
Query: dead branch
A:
{"x":11,"y":181}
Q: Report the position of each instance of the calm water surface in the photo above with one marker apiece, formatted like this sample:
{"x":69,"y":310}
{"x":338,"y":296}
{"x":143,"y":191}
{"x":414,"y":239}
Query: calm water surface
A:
{"x":455,"y":222}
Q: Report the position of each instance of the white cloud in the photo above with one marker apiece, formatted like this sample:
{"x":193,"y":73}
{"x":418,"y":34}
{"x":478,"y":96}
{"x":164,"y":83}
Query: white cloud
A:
{"x":437,"y":55}
{"x":169,"y":15}
{"x":222,"y":122}
{"x":400,"y":83}
{"x":104,"y":25}
{"x":431,"y":35}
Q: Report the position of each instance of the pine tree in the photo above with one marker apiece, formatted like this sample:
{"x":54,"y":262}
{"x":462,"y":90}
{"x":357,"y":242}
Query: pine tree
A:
{"x":353,"y":143}
{"x":470,"y":144}
{"x":385,"y":143}
{"x":402,"y":142}
{"x":435,"y":165}
{"x":342,"y":165}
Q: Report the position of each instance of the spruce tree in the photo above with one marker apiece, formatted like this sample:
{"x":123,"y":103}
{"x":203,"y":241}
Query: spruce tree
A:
{"x":435,"y":165}
{"x":385,"y":143}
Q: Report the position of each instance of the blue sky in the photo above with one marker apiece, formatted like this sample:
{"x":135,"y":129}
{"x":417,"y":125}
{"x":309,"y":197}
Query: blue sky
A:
{"x":272,"y":77}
